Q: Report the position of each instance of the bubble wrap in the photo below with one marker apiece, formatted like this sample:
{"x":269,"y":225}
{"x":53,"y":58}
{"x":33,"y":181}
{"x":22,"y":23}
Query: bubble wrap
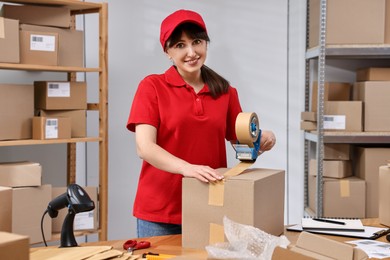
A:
{"x":245,"y":242}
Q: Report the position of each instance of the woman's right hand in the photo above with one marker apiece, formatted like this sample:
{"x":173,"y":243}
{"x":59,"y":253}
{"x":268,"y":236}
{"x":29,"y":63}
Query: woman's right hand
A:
{"x":200,"y":172}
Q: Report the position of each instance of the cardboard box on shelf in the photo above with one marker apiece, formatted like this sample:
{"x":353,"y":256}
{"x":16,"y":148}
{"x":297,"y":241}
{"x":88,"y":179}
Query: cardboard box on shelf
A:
{"x":310,"y":246}
{"x":14,"y":246}
{"x":367,"y":161}
{"x":375,"y":96}
{"x":373,"y":74}
{"x":365,"y":25}
{"x":309,"y":116}
{"x":39,"y":48}
{"x":337,"y":152}
{"x":78,"y":118}
{"x":332,"y":168}
{"x":60,"y":95}
{"x":51,"y":128}
{"x":9,"y":40}
{"x":333,"y":91}
{"x":20,"y":174}
{"x":70,"y":44}
{"x":308,"y":125}
{"x":343,"y":198}
{"x":16,"y":111}
{"x":343,"y":116}
{"x":235,"y":198}
{"x":84,"y":220}
{"x":28,"y":206}
{"x":5,"y":209}
{"x":384,"y":198}
{"x":38,"y":15}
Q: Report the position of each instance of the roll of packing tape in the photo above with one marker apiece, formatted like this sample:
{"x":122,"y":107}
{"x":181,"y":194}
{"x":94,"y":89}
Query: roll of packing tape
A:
{"x":247,"y":128}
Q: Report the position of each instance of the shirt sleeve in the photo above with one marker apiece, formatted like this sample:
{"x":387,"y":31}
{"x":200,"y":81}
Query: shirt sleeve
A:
{"x":144,"y":109}
{"x":233,"y":110}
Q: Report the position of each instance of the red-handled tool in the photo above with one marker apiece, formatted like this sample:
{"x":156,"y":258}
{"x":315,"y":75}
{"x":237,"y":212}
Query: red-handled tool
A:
{"x":131,"y":245}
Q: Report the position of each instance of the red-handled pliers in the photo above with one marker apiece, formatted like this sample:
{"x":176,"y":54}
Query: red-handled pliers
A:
{"x":131,"y":245}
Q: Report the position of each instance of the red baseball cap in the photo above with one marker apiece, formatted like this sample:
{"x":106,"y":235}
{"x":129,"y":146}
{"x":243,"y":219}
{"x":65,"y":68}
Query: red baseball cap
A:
{"x":173,"y":20}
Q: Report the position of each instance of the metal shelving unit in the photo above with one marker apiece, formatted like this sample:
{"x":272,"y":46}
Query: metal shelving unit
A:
{"x":320,"y":54}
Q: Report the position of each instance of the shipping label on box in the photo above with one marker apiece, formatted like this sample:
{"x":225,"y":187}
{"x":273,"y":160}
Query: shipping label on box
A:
{"x":9,"y":40}
{"x":255,"y":197}
{"x":20,"y":174}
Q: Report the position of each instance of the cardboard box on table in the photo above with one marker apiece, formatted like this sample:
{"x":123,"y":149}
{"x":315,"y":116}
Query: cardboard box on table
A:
{"x":20,"y":174}
{"x":255,"y":197}
{"x":9,"y":40}
{"x":14,"y":246}
{"x":314,"y":247}
{"x":384,"y":198}
{"x":16,"y":111}
{"x":5,"y":209}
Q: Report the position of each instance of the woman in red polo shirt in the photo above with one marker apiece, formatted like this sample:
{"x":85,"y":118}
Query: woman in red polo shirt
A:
{"x":181,"y":120}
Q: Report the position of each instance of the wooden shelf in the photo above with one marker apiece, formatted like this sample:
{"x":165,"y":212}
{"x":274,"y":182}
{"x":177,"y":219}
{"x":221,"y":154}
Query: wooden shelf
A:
{"x":52,"y":141}
{"x":72,"y":4}
{"x":32,"y":67}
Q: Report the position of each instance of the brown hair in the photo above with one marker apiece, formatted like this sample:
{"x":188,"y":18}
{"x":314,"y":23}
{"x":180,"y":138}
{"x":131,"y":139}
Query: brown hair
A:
{"x":216,"y":83}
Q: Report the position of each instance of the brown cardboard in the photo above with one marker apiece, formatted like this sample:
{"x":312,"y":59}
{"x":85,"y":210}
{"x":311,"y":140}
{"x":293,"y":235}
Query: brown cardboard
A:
{"x":14,"y":246}
{"x":9,"y":40}
{"x":311,"y":246}
{"x":6,"y":209}
{"x":38,"y":15}
{"x":20,"y":174}
{"x":78,"y":118}
{"x":343,"y":116}
{"x":308,"y":125}
{"x":16,"y":111}
{"x":373,"y":74}
{"x":70,"y":44}
{"x":309,"y":116}
{"x":60,"y":95}
{"x":255,"y":197}
{"x":43,"y":53}
{"x":365,"y":25}
{"x":337,"y":151}
{"x":344,"y":198}
{"x":367,"y":162}
{"x":384,"y":198}
{"x":84,"y":220}
{"x":332,"y":168}
{"x":51,"y":128}
{"x":28,"y":206}
{"x":333,"y":91}
{"x":375,"y":95}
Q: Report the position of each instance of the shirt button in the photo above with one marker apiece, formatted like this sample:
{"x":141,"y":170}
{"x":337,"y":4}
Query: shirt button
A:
{"x":197,"y":99}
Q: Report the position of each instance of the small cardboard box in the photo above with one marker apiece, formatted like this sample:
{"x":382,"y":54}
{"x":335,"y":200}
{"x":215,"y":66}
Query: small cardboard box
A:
{"x":6,"y":209}
{"x":78,"y":118}
{"x":28,"y":206}
{"x":384,"y":198}
{"x":60,"y":95}
{"x":337,"y":152}
{"x":365,"y":25}
{"x":51,"y":128}
{"x":310,"y":246}
{"x":373,"y":74}
{"x":9,"y":40}
{"x":344,"y":198}
{"x":20,"y":174}
{"x":13,"y":246}
{"x":375,"y":96}
{"x":309,"y":116}
{"x":38,"y":15}
{"x":84,"y":220}
{"x":367,"y":161}
{"x":308,"y":125}
{"x":333,"y":91}
{"x":255,"y":197}
{"x":16,"y":111}
{"x":40,"y":48}
{"x":70,"y":45}
{"x":332,"y":168}
{"x":343,"y":116}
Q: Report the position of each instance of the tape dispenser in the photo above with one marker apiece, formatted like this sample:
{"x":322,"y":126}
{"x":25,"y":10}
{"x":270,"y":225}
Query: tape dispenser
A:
{"x":248,"y":136}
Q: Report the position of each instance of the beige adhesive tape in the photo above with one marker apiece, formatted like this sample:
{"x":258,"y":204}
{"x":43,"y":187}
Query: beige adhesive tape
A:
{"x":216,"y":234}
{"x":344,"y":188}
{"x":244,"y":132}
{"x":2,"y":28}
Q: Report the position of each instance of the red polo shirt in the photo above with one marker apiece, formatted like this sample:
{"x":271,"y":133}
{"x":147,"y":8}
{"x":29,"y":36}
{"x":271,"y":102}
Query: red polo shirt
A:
{"x":193,"y":127}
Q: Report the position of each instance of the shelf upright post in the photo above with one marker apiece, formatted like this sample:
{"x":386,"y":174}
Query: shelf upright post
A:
{"x":320,"y":108}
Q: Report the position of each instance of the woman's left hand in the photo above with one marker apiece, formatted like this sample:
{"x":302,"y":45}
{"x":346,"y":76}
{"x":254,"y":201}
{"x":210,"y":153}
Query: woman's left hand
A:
{"x":267,"y":141}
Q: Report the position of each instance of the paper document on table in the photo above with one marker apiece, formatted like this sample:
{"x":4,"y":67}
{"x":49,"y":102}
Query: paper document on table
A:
{"x":332,"y":224}
{"x":374,"y":249}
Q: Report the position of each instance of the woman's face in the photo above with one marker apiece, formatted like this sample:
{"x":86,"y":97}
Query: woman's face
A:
{"x":188,"y":54}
